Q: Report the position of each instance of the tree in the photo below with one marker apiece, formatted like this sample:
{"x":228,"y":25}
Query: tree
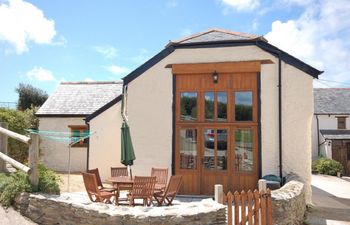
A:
{"x":29,"y":96}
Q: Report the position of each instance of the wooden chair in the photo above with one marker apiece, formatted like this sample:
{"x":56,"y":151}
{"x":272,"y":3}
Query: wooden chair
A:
{"x":162,"y":177}
{"x":119,"y":172}
{"x":143,"y":188}
{"x":94,"y":193}
{"x":99,"y":182}
{"x":170,"y":193}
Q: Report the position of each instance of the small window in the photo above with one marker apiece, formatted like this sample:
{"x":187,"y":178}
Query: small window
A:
{"x":188,"y":104}
{"x":209,"y":106}
{"x":222,"y":106}
{"x":341,"y":122}
{"x":215,"y":101}
{"x":77,"y":135}
{"x":244,"y":106}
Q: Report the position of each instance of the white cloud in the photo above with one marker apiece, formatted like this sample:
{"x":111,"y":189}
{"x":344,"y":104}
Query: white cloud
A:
{"x":241,"y":5}
{"x":40,"y":74}
{"x":319,"y":37}
{"x":109,"y":52}
{"x":141,"y":57}
{"x":171,"y":4}
{"x":21,"y":23}
{"x":89,"y":79}
{"x":118,"y":70}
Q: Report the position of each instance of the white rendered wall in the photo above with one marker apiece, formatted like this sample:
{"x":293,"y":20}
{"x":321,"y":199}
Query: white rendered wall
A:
{"x":297,"y":113}
{"x":55,"y":154}
{"x":104,"y":146}
{"x":329,"y":122}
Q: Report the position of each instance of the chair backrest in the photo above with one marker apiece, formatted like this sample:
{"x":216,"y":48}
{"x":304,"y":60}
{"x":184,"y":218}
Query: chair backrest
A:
{"x":119,"y":171}
{"x":161,"y":174}
{"x":143,"y":186}
{"x":97,"y":174}
{"x":174,"y":185}
{"x":91,"y":186}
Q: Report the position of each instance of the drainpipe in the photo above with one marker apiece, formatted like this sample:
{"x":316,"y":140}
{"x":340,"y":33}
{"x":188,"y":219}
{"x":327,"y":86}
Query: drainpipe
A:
{"x":280,"y":114}
{"x":88,"y":148}
{"x":318,"y":136}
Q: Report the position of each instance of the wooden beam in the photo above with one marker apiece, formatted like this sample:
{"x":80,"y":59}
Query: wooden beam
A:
{"x":3,"y":146}
{"x":14,"y":135}
{"x":14,"y":163}
{"x":220,"y":67}
{"x":33,"y":159}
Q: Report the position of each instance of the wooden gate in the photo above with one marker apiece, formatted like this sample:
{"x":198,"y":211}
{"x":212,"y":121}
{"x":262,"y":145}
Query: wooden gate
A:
{"x":249,"y":207}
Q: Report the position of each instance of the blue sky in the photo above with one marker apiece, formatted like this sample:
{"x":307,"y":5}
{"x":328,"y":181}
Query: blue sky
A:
{"x":45,"y":42}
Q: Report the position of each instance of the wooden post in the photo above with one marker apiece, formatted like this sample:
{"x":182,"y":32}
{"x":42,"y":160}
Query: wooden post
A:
{"x":219,"y":194}
{"x":3,"y":146}
{"x":262,"y":185}
{"x":34,"y":159}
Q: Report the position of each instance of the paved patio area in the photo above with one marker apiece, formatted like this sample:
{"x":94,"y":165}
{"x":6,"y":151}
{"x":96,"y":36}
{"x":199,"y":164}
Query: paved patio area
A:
{"x":331,"y":198}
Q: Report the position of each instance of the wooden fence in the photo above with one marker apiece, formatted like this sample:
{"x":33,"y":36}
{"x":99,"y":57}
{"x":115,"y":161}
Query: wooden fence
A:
{"x":32,"y":141}
{"x":249,"y":207}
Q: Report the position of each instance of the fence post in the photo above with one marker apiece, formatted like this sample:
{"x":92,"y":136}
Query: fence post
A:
{"x":262,"y":185}
{"x":3,"y":146}
{"x":219,"y":194}
{"x":33,"y":159}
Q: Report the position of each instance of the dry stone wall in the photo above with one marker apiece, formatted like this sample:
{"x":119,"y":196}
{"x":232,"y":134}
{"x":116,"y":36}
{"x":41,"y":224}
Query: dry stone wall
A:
{"x":288,"y":204}
{"x":44,"y":209}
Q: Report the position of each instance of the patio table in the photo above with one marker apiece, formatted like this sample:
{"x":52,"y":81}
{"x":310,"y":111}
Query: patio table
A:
{"x":121,"y":183}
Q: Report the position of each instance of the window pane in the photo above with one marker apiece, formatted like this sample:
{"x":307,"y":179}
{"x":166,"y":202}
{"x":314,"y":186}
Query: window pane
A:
{"x":188,"y":148}
{"x":222,"y":106}
{"x":188,"y":106}
{"x":244,"y":150}
{"x":75,"y":136}
{"x":244,"y":106}
{"x":209,"y":106}
{"x":222,"y":149}
{"x":209,"y":149}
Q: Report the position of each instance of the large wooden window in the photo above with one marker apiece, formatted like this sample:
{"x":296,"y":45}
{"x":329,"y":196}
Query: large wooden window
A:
{"x":341,"y":122}
{"x":77,"y":134}
{"x":215,"y":106}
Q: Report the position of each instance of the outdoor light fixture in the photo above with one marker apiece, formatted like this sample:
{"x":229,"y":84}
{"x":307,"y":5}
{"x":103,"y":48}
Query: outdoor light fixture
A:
{"x":215,"y":76}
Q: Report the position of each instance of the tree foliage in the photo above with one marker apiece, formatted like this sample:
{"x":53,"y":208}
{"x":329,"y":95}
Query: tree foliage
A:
{"x":18,"y":121}
{"x":29,"y":96}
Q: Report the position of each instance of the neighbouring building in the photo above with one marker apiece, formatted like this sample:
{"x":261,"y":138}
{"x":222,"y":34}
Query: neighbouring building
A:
{"x":331,"y":125}
{"x":217,"y":107}
{"x":64,"y":113}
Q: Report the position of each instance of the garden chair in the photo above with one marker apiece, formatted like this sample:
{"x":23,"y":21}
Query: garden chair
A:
{"x":143,"y":188}
{"x":94,"y":193}
{"x":99,"y":182}
{"x":162,"y":177}
{"x":170,"y":193}
{"x":120,"y":172}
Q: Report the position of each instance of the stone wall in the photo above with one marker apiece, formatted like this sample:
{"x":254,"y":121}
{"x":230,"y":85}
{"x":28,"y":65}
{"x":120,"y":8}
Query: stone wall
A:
{"x":45,"y":209}
{"x":288,"y":204}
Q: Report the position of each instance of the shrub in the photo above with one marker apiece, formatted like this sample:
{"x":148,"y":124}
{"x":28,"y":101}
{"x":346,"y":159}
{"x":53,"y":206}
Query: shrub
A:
{"x":327,"y":166}
{"x":48,"y":181}
{"x":19,"y":121}
{"x":13,"y":185}
{"x":18,"y":182}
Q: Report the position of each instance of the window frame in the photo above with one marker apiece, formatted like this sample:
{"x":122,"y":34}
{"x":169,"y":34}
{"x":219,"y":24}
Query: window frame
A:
{"x":81,"y":129}
{"x":339,"y":118}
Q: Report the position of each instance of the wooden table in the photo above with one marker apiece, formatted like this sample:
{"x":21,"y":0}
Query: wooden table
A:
{"x":121,"y":183}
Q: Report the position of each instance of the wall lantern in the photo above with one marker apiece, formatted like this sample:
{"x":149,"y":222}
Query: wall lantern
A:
{"x":215,"y":76}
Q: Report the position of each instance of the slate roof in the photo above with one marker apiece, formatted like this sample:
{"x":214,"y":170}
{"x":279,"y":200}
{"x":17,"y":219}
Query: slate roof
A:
{"x":335,"y":134}
{"x":332,"y":101}
{"x":79,"y":98}
{"x":217,"y":35}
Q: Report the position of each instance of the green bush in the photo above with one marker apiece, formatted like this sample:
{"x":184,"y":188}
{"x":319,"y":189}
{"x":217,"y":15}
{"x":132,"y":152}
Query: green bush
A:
{"x":13,"y":185}
{"x":48,"y":181}
{"x":19,"y":121}
{"x":18,"y":182}
{"x":327,"y":166}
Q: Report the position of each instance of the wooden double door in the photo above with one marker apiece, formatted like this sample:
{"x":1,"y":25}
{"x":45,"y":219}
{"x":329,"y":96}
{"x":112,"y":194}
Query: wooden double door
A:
{"x":216,"y":127}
